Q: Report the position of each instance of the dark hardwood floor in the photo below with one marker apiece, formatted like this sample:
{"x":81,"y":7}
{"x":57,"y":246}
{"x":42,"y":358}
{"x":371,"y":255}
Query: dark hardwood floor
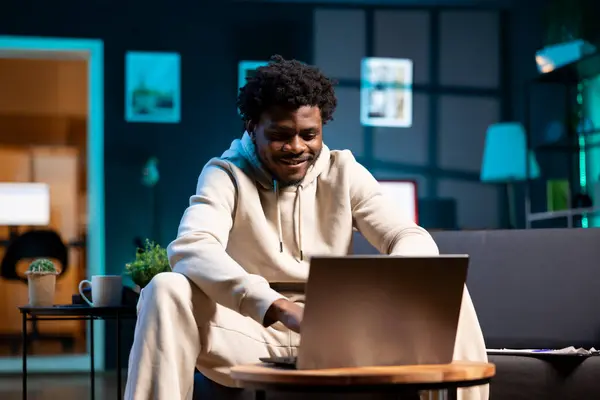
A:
{"x":60,"y":387}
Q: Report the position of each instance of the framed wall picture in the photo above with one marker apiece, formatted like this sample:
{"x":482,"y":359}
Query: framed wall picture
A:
{"x":386,"y":92}
{"x":404,"y":194}
{"x":246,"y":69}
{"x":152,"y":87}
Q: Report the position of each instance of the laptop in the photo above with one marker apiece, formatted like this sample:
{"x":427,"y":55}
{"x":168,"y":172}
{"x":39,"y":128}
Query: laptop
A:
{"x":378,"y":311}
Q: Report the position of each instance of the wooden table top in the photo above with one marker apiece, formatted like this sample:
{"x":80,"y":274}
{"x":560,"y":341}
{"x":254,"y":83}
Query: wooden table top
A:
{"x":458,"y":371}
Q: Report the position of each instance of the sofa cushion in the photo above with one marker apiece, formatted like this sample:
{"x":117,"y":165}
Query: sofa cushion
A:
{"x":559,"y":378}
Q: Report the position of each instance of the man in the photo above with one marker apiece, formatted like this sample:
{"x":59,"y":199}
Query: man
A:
{"x":276,"y":197}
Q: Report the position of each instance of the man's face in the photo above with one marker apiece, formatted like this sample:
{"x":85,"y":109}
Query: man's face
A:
{"x":288,"y":142}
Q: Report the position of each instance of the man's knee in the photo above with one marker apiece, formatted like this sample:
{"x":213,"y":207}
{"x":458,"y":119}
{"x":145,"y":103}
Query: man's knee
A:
{"x":174,"y":288}
{"x":167,"y":286}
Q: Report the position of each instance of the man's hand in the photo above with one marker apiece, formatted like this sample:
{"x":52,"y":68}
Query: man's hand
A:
{"x":287,"y":312}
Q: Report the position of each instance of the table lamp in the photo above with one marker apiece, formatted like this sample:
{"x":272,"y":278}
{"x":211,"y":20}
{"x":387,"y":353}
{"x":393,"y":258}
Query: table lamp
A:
{"x":558,"y":55}
{"x":504,"y":159}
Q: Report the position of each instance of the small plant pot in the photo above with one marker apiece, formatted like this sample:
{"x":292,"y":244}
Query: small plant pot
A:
{"x":41,"y":289}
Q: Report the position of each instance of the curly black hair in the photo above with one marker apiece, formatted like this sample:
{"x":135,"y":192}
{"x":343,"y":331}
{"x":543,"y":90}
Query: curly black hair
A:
{"x":286,"y":83}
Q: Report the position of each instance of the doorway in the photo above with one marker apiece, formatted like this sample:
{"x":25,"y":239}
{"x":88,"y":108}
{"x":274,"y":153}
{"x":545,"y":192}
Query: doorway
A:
{"x":56,"y":137}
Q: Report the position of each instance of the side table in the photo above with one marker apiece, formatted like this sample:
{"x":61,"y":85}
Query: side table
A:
{"x":444,"y":378}
{"x":81,"y":313}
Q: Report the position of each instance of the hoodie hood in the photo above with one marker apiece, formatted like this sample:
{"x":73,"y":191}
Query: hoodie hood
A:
{"x":242,"y":152}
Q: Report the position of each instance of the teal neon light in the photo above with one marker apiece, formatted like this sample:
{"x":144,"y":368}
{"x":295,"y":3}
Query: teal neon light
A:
{"x":582,"y":151}
{"x":591,"y":103}
{"x":95,"y":244}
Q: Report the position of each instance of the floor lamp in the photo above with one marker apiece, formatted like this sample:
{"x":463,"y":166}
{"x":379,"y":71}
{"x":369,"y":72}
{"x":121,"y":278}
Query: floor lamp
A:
{"x":504,"y":158}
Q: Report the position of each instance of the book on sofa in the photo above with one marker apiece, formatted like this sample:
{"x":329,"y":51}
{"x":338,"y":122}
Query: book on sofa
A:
{"x":567,"y":351}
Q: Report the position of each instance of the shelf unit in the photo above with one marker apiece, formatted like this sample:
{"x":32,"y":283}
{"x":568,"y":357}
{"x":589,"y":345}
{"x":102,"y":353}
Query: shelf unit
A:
{"x":569,"y":76}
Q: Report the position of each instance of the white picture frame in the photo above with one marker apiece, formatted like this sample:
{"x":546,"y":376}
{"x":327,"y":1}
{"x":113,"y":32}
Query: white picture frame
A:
{"x":386,"y":92}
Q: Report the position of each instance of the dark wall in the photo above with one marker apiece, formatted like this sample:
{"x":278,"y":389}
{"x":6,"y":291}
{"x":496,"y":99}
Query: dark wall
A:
{"x":211,"y":40}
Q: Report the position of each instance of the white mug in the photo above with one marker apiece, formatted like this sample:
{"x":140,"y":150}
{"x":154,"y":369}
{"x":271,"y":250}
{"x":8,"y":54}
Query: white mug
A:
{"x":107,"y":290}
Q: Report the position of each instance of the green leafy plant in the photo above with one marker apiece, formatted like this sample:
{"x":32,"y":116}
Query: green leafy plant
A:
{"x":149,"y":261}
{"x":42,"y":266}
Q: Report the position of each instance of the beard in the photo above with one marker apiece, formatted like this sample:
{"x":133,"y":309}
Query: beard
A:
{"x":291,"y":183}
{"x":283,"y":182}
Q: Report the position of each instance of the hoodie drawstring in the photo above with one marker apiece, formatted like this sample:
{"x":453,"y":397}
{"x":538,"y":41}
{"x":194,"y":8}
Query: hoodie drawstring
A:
{"x":279,"y":229}
{"x":299,"y":196}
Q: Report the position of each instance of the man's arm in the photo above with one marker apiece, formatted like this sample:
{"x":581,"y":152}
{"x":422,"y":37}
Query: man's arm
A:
{"x":381,"y":222}
{"x":199,"y":253}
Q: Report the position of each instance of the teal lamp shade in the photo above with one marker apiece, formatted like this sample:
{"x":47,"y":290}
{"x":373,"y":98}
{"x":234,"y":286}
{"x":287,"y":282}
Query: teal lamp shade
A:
{"x":504,"y":154}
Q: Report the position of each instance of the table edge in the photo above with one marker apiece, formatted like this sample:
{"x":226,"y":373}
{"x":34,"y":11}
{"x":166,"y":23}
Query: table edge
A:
{"x":292,"y":377}
{"x":357,"y":388}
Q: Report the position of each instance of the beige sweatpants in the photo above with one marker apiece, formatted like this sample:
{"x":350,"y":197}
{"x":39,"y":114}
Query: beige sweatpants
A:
{"x":179,"y":328}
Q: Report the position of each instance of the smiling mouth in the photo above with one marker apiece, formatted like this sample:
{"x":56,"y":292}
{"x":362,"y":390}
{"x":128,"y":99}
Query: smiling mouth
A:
{"x":293,"y":162}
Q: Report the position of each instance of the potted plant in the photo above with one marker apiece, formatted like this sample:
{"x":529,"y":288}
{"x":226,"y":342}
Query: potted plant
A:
{"x":149,"y":261}
{"x":41,"y":282}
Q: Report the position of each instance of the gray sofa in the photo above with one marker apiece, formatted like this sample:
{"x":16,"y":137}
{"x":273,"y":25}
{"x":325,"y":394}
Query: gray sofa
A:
{"x":536,"y":289}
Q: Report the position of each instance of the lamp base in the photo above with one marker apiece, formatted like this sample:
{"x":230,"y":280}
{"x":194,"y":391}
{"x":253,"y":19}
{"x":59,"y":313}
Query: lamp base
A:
{"x":510,"y":193}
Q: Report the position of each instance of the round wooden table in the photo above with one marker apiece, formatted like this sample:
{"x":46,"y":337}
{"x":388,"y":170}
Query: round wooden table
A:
{"x":443,"y":379}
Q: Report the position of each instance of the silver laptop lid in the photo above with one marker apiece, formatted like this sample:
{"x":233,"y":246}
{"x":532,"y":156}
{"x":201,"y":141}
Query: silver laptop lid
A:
{"x":381,"y":310}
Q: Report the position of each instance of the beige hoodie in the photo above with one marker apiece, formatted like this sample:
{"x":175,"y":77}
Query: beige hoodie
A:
{"x":242,"y":230}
